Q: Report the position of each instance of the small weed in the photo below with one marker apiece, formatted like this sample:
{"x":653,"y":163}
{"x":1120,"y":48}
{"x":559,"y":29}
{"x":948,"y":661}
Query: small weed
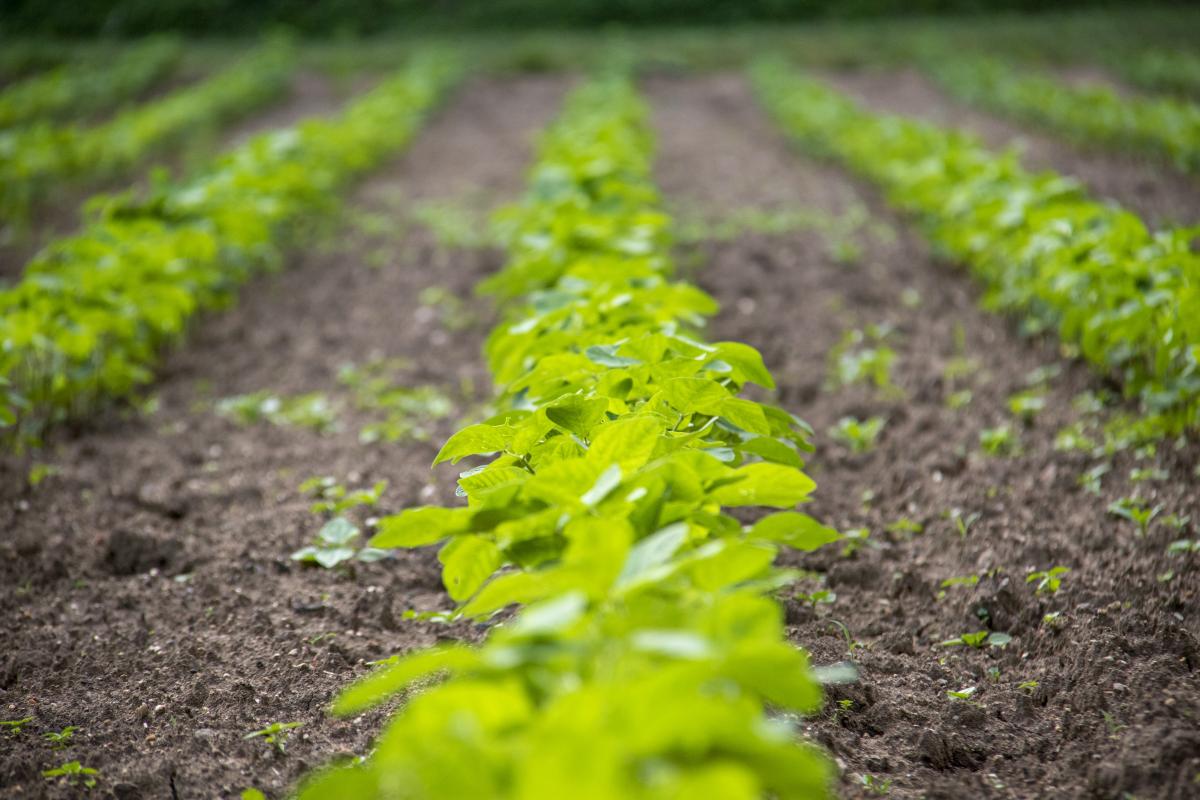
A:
{"x":1048,"y":580}
{"x":1027,"y":686}
{"x":1176,"y":548}
{"x":275,"y":734}
{"x":313,"y":411}
{"x":73,"y":774}
{"x":999,"y":441}
{"x":962,"y":521}
{"x":1136,"y":510}
{"x":817,"y":598}
{"x":875,"y":785}
{"x":905,"y":528}
{"x":1074,"y":437}
{"x":1144,"y":474}
{"x":1026,"y":405}
{"x":60,"y":739}
{"x":862,"y":357}
{"x":333,"y":498}
{"x":859,"y":436}
{"x":1090,"y":480}
{"x":14,"y":726}
{"x":978,"y":640}
{"x":854,"y":539}
{"x":956,"y":401}
{"x":962,"y":694}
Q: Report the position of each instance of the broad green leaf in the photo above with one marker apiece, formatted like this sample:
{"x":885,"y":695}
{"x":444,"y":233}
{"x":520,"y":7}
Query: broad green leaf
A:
{"x":746,"y":361}
{"x":468,"y":561}
{"x":629,"y":442}
{"x":765,"y":484}
{"x":416,"y":527}
{"x":381,"y":685}
{"x":794,"y":529}
{"x":651,"y":552}
{"x":577,"y":414}
{"x":474,"y":440}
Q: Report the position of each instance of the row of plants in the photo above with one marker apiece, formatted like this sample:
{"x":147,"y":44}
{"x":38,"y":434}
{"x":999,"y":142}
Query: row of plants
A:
{"x":35,"y":159}
{"x":1163,"y":69}
{"x":93,"y":310}
{"x":1124,"y":298}
{"x":646,"y":645}
{"x":1164,"y":127}
{"x":78,"y":90}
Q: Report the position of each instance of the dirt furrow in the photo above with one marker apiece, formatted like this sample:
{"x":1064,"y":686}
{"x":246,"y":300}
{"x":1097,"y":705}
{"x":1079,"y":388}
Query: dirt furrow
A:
{"x":1098,"y":698}
{"x":1142,"y":184}
{"x":146,"y":584}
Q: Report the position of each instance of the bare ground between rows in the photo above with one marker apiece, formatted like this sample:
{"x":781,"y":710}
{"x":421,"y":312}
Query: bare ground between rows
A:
{"x":1115,"y":711}
{"x":310,"y":94}
{"x":146,"y":589}
{"x":1142,"y":184}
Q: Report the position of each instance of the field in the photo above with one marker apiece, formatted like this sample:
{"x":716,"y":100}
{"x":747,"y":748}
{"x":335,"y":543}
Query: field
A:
{"x":812,"y":411}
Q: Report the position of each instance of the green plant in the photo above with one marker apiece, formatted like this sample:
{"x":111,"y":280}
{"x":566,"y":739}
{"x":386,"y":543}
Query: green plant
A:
{"x":1027,"y":404}
{"x":875,"y":785}
{"x":978,"y":640}
{"x":1136,"y":510}
{"x":961,"y":694}
{"x":93,"y":311}
{"x":1090,"y":480}
{"x":73,"y":773}
{"x":14,"y":726}
{"x":963,"y":521}
{"x":998,"y":441}
{"x":858,"y":435}
{"x":332,"y":497}
{"x":78,"y":90}
{"x":1177,"y":547}
{"x":407,"y":411}
{"x":1160,"y":126}
{"x":854,"y":539}
{"x":313,"y":411}
{"x":1027,"y":686}
{"x":333,"y":546}
{"x":1040,"y":245}
{"x":905,"y":527}
{"x":276,"y":734}
{"x":59,"y":740}
{"x":597,"y":506}
{"x":817,"y":597}
{"x":862,"y":357}
{"x":35,"y":158}
{"x":1048,"y":580}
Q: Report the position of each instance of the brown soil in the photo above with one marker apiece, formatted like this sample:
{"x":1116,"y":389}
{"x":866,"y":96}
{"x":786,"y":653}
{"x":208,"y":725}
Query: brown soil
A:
{"x":1116,"y":706}
{"x":311,"y":94}
{"x":1145,"y":186}
{"x":147,"y":586}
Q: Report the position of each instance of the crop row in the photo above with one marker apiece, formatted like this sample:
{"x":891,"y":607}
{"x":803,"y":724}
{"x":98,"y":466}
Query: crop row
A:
{"x":646,"y":645}
{"x":1176,"y":71}
{"x":36,"y":158}
{"x":93,"y":310}
{"x":1164,"y":127}
{"x":1125,"y":298}
{"x":79,"y":90}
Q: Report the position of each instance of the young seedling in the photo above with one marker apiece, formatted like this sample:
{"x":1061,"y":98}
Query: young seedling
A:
{"x":905,"y":528}
{"x":1026,"y":405}
{"x":275,"y":734}
{"x":855,"y":539}
{"x":998,"y":441}
{"x":958,"y":580}
{"x":14,"y":726}
{"x":1178,"y":547}
{"x":978,"y":640}
{"x":962,"y":694}
{"x":1027,"y":686}
{"x":60,"y":739}
{"x":1090,"y":480}
{"x":858,"y":435}
{"x":817,"y":598}
{"x":1136,"y":510}
{"x":1074,"y":437}
{"x":962,"y":522}
{"x":862,"y":357}
{"x":313,"y":411}
{"x":74,"y":774}
{"x":333,"y":498}
{"x":1048,"y":580}
{"x":956,"y":401}
{"x":875,"y":785}
{"x":1144,"y":474}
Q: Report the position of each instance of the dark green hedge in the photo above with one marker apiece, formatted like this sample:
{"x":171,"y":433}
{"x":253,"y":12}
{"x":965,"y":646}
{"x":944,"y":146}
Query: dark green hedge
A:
{"x":322,"y":17}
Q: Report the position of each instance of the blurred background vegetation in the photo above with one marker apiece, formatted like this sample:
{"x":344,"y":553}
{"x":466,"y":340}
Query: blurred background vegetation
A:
{"x":85,"y":18}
